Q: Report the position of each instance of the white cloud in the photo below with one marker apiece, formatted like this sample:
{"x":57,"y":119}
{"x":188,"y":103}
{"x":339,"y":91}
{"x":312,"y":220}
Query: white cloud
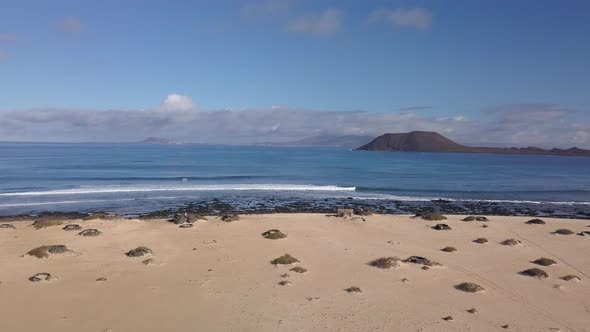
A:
{"x":71,"y":24}
{"x":418,"y":18}
{"x":512,"y":125}
{"x":327,"y":23}
{"x":176,"y":102}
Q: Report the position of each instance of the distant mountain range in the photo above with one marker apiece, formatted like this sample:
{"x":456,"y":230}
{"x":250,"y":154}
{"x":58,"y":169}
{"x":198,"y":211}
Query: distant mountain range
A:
{"x":425,"y":141}
{"x":157,"y":140}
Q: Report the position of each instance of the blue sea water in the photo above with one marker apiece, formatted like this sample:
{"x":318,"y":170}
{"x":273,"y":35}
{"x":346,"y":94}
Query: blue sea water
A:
{"x":140,"y":177}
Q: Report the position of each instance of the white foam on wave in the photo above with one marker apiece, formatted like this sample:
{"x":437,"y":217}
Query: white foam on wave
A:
{"x":63,"y":202}
{"x":428,"y":199}
{"x":134,"y":189}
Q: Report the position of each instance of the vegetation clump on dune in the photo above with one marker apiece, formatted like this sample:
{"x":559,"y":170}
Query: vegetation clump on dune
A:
{"x":544,"y":261}
{"x":90,"y":232}
{"x":298,"y":269}
{"x":44,"y":251}
{"x":511,"y":242}
{"x":469,"y":287}
{"x":432,"y":216}
{"x":417,"y":260}
{"x":563,"y":231}
{"x":353,"y":289}
{"x":138,"y":252}
{"x":273,"y":234}
{"x":535,"y":273}
{"x":481,"y":240}
{"x":535,"y":222}
{"x":468,"y":218}
{"x":42,"y":276}
{"x":72,"y":227}
{"x":449,"y":249}
{"x":286,"y":259}
{"x":570,"y":277}
{"x":230,"y":217}
{"x":385,"y":262}
{"x":441,"y":227}
{"x":39,"y":224}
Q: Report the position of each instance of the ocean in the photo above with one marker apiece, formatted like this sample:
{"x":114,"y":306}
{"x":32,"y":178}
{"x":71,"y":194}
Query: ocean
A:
{"x":142,"y":178}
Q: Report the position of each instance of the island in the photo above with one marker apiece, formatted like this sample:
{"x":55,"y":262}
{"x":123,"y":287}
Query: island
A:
{"x":426,"y":141}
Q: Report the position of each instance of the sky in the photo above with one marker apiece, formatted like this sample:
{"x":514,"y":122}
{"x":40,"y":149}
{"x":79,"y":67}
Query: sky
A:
{"x":502,"y":73}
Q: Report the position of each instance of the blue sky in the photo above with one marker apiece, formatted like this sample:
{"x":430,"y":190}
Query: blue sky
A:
{"x":435,"y":59}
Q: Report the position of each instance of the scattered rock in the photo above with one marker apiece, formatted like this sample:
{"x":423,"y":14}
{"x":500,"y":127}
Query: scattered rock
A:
{"x":468,"y":218}
{"x":273,"y":234}
{"x":535,"y":222}
{"x":186,"y":226}
{"x":511,"y":242}
{"x":535,"y":273}
{"x":570,"y":277}
{"x":385,"y":262}
{"x":42,"y":276}
{"x":39,"y":224}
{"x":432,"y":216}
{"x":286,"y":259}
{"x":506,"y":326}
{"x":310,"y":299}
{"x":449,"y":249}
{"x":441,"y":227}
{"x":44,"y":251}
{"x":148,"y":261}
{"x":230,"y":217}
{"x":481,"y":219}
{"x":138,"y":252}
{"x":353,"y":289}
{"x":484,"y":226}
{"x":426,"y":268}
{"x":209,"y":241}
{"x":285,"y":283}
{"x":563,"y":231}
{"x":448,"y":318}
{"x":417,"y":260}
{"x":405,"y":280}
{"x":101,"y":215}
{"x":472,"y":311}
{"x":7,"y":226}
{"x":584,"y":233}
{"x":298,"y":269}
{"x":101,"y":279}
{"x":469,"y":287}
{"x":544,"y":261}
{"x":180,"y":218}
{"x":72,"y":227}
{"x":481,"y":240}
{"x":90,"y":232}
{"x":285,"y":275}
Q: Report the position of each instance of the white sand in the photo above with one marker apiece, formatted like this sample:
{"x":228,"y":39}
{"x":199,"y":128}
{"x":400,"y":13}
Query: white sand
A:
{"x":196,"y":285}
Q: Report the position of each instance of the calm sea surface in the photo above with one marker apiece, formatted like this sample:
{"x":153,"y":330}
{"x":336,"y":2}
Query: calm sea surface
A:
{"x":137,"y":177}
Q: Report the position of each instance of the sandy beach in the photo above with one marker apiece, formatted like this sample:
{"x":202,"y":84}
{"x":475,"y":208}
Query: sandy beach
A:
{"x":218,"y":276}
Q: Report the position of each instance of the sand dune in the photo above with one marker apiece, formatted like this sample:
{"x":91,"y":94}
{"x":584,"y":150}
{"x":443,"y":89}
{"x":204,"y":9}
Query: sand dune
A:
{"x":217,"y":276}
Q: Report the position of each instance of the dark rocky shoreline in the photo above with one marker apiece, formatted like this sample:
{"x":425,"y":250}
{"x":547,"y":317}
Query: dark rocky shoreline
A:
{"x":271,"y":205}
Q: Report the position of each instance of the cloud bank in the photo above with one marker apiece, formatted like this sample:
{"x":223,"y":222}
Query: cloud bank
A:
{"x":327,"y":23}
{"x":417,"y":18}
{"x":543,"y":125}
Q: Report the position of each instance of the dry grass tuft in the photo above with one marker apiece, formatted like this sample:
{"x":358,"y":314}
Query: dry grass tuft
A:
{"x":544,"y":261}
{"x":449,"y":249}
{"x":535,"y":222}
{"x":7,"y":226}
{"x":139,"y":251}
{"x":298,"y":269}
{"x":72,"y":227}
{"x":385,"y":262}
{"x":570,"y":277}
{"x":469,"y":218}
{"x":511,"y":242}
{"x":39,"y":224}
{"x":535,"y":273}
{"x":148,"y":261}
{"x":469,"y":287}
{"x":432,"y":216}
{"x":286,"y":259}
{"x":44,"y":251}
{"x":417,"y":260}
{"x":563,"y":231}
{"x":285,"y":283}
{"x":273,"y":234}
{"x":42,"y":276}
{"x":90,"y":232}
{"x":481,"y":240}
{"x":230,"y":217}
{"x":353,"y":289}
